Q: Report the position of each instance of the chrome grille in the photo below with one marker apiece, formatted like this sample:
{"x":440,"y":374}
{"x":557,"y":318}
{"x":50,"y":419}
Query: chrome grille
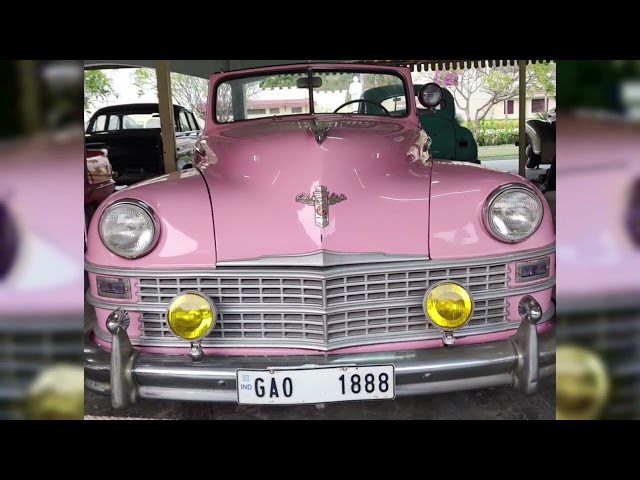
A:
{"x":308,"y":287}
{"x":324,"y":308}
{"x":24,"y":354}
{"x":615,"y":338}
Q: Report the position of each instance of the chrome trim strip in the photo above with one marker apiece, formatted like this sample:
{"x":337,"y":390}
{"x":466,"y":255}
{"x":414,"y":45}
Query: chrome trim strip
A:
{"x":280,"y":308}
{"x":431,"y":334}
{"x":339,"y":270}
{"x":99,"y":187}
{"x":41,"y":325}
{"x":321,"y":258}
{"x":319,"y":345}
{"x":596,"y":304}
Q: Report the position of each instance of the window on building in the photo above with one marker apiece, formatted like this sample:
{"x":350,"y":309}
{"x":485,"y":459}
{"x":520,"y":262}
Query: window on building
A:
{"x":274,"y":110}
{"x":509,"y":107}
{"x":257,"y":111}
{"x":296,"y":109}
{"x":538,"y":105}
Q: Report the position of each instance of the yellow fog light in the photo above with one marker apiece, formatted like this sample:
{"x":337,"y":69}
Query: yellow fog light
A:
{"x":448,"y":305}
{"x":191,"y":316}
{"x":582,"y":383}
{"x":57,"y":394}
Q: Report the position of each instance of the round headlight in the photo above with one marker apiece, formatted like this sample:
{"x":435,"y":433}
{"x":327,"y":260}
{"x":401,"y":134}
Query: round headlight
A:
{"x":191,"y":316}
{"x":129,"y":228}
{"x":513,"y":214}
{"x":448,"y":305}
{"x":430,"y":95}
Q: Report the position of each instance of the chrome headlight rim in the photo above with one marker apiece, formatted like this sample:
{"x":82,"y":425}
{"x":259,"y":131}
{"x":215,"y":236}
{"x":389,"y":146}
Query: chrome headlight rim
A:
{"x":147,"y":210}
{"x":430,"y":291}
{"x":495,"y":195}
{"x":206,"y":298}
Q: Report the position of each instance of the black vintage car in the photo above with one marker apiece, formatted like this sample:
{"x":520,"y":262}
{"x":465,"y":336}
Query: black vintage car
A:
{"x":132,"y":136}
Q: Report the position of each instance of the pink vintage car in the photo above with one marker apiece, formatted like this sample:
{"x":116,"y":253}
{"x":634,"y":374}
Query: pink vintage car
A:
{"x":317,"y":253}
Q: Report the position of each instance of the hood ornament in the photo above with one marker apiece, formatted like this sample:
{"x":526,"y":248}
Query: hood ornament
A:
{"x":319,"y":130}
{"x":320,"y":200}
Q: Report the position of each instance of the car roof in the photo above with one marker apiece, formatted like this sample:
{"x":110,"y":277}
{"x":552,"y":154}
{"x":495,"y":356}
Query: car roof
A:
{"x":134,"y":108}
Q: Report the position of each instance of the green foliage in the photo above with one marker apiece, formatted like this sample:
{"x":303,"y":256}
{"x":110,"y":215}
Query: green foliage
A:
{"x":187,"y":91}
{"x":497,"y":132}
{"x":541,"y":78}
{"x":280,"y":81}
{"x":97,"y":86}
{"x":329,"y":82}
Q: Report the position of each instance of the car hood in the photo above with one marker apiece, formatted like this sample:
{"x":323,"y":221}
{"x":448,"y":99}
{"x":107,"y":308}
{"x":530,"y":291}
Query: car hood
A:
{"x":266,"y":180}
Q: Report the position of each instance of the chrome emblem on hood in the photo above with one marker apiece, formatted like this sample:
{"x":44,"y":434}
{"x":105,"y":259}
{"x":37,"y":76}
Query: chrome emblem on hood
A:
{"x":319,"y":130}
{"x":320,"y":200}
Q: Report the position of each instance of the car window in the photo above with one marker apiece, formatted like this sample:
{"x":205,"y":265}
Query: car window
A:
{"x":396,"y":104}
{"x":290,"y":92}
{"x":114,"y":123}
{"x":132,"y":122}
{"x":185,"y":125}
{"x":100,"y":124}
{"x":194,"y":122}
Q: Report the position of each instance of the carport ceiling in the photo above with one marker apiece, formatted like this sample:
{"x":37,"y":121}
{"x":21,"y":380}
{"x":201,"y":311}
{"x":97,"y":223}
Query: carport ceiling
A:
{"x":204,"y":68}
{"x":199,"y":68}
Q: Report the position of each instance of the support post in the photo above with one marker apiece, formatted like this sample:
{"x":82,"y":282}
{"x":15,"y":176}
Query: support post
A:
{"x":165,"y":100}
{"x":522,"y":110}
{"x":31,"y":114}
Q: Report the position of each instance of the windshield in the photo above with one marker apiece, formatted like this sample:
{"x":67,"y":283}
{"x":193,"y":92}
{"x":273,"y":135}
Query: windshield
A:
{"x":304,"y":92}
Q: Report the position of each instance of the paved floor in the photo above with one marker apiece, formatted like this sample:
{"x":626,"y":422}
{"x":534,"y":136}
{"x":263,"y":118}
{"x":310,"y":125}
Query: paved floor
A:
{"x":488,"y":404}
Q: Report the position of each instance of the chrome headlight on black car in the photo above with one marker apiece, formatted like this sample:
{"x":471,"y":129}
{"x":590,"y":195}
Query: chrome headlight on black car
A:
{"x":513,"y":213}
{"x":129,"y":228}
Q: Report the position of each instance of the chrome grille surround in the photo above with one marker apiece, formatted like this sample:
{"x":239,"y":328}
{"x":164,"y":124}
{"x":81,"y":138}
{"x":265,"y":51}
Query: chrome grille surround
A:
{"x":296,"y":302}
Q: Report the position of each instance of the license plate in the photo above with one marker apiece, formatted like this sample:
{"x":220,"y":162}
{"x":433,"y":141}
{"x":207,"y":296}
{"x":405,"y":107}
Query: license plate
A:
{"x":315,"y":385}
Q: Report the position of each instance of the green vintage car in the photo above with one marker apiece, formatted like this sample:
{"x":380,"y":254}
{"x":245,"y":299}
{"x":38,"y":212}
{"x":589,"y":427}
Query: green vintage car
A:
{"x":450,"y":140}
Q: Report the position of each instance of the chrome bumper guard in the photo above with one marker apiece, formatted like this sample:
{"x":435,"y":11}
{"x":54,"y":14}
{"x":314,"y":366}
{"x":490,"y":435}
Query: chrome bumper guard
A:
{"x":128,"y":375}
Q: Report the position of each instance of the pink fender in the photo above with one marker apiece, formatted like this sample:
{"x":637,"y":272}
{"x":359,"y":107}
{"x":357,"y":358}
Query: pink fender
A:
{"x":181,"y":201}
{"x":458,"y":194}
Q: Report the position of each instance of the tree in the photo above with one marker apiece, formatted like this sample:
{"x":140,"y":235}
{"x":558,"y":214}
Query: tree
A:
{"x":97,"y":86}
{"x":190,"y":92}
{"x":498,"y":84}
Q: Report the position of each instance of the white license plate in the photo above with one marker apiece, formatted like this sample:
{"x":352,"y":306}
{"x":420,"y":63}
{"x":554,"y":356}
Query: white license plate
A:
{"x":315,"y":385}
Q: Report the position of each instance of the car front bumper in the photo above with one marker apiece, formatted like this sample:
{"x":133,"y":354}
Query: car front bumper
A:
{"x":128,"y":375}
